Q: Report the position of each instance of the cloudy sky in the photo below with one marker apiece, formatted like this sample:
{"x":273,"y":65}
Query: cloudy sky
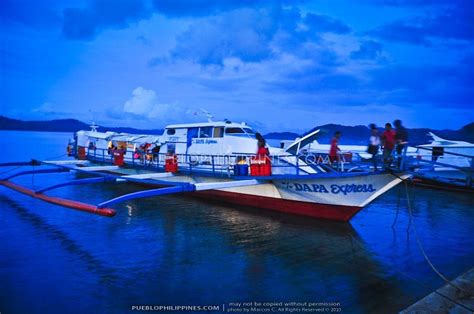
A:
{"x":279,"y":65}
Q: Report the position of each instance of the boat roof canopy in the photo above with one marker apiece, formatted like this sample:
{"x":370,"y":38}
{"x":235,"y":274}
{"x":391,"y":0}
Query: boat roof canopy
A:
{"x":122,"y":137}
{"x":101,"y":135}
{"x":151,"y":139}
{"x":125,"y":137}
{"x":208,"y":124}
{"x":441,"y":142}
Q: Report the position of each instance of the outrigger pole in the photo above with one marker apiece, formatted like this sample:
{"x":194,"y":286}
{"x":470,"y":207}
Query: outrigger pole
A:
{"x":101,"y":209}
{"x":108,"y":212}
{"x":179,"y":188}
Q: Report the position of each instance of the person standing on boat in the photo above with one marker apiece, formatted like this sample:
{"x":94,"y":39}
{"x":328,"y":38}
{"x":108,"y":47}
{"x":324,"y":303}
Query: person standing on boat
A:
{"x":69,"y":149}
{"x":388,"y":141}
{"x":155,"y":151}
{"x":110,"y":148}
{"x":142,"y":152}
{"x":401,"y":139}
{"x":335,"y":150}
{"x":262,"y":149}
{"x":262,"y":163}
{"x":374,"y":144}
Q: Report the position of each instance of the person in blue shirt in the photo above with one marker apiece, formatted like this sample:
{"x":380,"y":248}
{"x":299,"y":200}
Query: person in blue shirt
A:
{"x":401,"y":139}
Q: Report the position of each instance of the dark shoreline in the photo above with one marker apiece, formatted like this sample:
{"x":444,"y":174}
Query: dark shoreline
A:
{"x":357,"y":133}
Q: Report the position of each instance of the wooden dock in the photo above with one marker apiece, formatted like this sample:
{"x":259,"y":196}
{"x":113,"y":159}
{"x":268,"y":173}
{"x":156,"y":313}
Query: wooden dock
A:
{"x":435,"y":303}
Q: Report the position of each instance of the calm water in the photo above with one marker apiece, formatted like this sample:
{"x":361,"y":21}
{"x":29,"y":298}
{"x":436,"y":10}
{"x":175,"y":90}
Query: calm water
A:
{"x":181,"y":251}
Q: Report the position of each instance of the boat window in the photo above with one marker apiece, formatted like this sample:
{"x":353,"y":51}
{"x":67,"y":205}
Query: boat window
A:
{"x":219,"y":132}
{"x":249,"y":131}
{"x":171,"y":148}
{"x":205,"y":132}
{"x":171,"y":131}
{"x":193,"y":133}
{"x":234,"y":131}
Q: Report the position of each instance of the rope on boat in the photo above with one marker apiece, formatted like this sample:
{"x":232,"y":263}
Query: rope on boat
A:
{"x":412,"y":201}
{"x":20,"y":165}
{"x":420,"y":246}
{"x":12,"y":169}
{"x":48,"y":158}
{"x":398,"y":208}
{"x":414,"y":279}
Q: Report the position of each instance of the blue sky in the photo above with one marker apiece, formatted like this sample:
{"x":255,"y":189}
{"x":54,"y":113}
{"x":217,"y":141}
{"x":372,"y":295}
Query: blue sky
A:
{"x":278,"y":65}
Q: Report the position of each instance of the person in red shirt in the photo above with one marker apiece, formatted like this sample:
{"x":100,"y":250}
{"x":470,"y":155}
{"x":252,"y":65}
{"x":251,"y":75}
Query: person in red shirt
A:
{"x":334,"y":150}
{"x":265,"y":168}
{"x":388,"y":142}
{"x":262,"y":149}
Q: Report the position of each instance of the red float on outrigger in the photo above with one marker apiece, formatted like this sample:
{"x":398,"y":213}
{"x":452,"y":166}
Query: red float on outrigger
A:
{"x":39,"y":194}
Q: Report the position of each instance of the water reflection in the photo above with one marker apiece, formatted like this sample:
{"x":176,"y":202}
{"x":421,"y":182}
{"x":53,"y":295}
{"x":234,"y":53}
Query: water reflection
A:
{"x":105,"y":274}
{"x":295,"y":257}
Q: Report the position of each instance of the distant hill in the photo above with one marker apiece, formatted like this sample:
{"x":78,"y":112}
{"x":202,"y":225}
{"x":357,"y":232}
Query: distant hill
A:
{"x":358,"y":135}
{"x":350,"y":134}
{"x":467,"y":132}
{"x":281,"y":136}
{"x":64,"y":125}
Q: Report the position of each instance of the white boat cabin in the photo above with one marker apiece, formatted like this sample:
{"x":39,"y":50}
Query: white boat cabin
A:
{"x":207,"y":138}
{"x":216,"y":138}
{"x":213,"y":138}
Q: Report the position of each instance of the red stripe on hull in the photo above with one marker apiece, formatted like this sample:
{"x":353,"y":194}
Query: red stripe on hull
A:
{"x":315,"y":210}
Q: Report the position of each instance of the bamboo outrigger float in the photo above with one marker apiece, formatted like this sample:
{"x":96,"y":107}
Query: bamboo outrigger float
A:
{"x":211,"y":160}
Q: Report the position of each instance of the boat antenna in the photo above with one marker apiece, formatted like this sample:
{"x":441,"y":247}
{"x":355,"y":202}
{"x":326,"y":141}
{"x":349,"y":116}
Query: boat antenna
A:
{"x":93,"y":125}
{"x":208,"y":114}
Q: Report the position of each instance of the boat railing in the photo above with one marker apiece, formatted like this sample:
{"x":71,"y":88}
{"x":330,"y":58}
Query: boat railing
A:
{"x":447,"y":153}
{"x":423,"y":165}
{"x":224,"y":164}
{"x":398,"y":157}
{"x":397,"y":160}
{"x":346,"y":161}
{"x":418,"y":161}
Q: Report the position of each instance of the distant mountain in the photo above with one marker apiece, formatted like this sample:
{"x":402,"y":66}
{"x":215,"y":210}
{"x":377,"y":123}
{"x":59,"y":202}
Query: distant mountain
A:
{"x":64,"y":125}
{"x":281,"y":136}
{"x":467,"y":132}
{"x":359,"y":134}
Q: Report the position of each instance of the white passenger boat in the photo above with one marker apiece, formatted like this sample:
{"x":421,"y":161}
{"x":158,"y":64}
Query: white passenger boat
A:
{"x":212,"y":160}
{"x":444,"y":163}
{"x":453,"y":153}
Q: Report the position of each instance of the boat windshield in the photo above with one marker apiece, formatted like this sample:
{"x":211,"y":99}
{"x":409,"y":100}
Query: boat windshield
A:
{"x":205,"y":132}
{"x":250,"y":131}
{"x":245,"y":132}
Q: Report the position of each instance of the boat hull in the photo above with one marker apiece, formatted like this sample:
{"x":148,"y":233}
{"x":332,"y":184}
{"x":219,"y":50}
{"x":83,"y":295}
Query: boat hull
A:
{"x":355,"y":190}
{"x":333,"y":198}
{"x":442,"y":184}
{"x":322,"y":211}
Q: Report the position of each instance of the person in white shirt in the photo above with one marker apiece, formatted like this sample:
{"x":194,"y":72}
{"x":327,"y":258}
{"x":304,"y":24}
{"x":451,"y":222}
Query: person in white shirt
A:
{"x":374,"y":144}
